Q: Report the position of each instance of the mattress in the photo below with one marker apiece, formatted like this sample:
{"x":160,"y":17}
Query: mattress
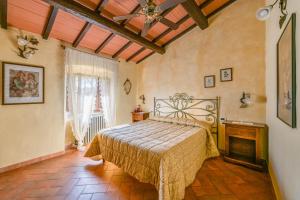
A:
{"x":164,"y":152}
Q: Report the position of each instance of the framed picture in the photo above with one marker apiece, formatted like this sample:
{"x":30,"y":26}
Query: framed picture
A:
{"x":209,"y":81}
{"x":226,"y":74}
{"x":22,"y":84}
{"x":286,"y":74}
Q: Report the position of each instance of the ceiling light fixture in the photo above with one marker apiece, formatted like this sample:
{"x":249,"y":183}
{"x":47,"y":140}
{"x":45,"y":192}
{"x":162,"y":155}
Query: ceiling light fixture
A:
{"x":264,"y":13}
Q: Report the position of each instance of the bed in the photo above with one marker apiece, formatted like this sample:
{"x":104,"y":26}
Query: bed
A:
{"x":166,"y":150}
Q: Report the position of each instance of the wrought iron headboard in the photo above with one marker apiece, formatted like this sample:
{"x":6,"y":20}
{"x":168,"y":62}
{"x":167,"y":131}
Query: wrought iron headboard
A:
{"x":181,"y":105}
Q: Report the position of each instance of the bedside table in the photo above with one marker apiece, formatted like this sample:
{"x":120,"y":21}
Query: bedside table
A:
{"x":139,"y":116}
{"x":246,"y":144}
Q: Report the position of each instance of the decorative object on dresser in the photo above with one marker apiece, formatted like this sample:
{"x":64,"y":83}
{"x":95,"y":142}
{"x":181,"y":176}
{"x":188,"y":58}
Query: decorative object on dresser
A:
{"x":286,"y":74}
{"x":127,"y":86}
{"x":246,"y":144}
{"x":226,"y":74}
{"x":209,"y":81}
{"x":139,"y":116}
{"x":26,"y":45}
{"x":22,"y":84}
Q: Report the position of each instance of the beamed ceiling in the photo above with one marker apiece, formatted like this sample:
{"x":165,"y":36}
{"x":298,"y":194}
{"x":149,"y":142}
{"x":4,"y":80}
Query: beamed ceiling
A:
{"x":88,"y":23}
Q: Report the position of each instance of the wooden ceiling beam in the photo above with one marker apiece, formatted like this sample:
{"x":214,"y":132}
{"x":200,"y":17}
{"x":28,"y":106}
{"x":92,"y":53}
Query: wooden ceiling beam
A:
{"x":88,"y":15}
{"x":105,"y":42}
{"x":196,"y":13}
{"x":3,"y":14}
{"x":150,"y":54}
{"x":163,"y":15}
{"x":181,"y":21}
{"x":50,"y":22}
{"x":136,"y":53}
{"x":194,"y":25}
{"x":122,"y":49}
{"x":134,"y":11}
{"x":228,"y":3}
{"x":123,"y":23}
{"x":82,"y":33}
{"x":180,"y":34}
{"x":205,"y":3}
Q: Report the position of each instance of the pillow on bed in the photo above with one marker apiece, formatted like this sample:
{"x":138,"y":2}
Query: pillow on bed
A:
{"x":184,"y":121}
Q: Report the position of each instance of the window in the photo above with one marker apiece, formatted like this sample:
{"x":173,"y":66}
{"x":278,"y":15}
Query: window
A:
{"x":98,"y":104}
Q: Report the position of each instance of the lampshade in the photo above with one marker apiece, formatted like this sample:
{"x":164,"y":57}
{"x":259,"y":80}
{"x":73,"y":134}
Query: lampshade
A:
{"x":264,"y":13}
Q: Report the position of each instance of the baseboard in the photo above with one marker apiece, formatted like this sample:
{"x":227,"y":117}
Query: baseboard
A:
{"x":32,"y":161}
{"x":274,"y":183}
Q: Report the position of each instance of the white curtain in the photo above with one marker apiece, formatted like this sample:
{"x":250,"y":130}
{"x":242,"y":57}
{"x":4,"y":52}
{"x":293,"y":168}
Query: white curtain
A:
{"x":83,"y":70}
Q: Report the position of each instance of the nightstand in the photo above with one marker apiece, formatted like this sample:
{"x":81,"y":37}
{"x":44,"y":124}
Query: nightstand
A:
{"x":139,"y":116}
{"x":246,"y":144}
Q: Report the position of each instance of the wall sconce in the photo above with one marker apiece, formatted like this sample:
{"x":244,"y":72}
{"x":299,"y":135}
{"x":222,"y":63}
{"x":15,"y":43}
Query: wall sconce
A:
{"x":263,"y":13}
{"x":245,"y":100}
{"x":26,"y":46}
{"x":142,"y":97}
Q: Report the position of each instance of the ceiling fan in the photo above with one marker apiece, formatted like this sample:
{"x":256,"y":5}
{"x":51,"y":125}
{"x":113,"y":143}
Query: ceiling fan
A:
{"x":152,"y":12}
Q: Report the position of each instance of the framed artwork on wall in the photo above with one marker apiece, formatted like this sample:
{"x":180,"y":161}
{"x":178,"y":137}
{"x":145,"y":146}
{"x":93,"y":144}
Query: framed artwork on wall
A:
{"x":22,"y":84}
{"x":209,"y":81}
{"x":226,"y":74}
{"x":286,"y":74}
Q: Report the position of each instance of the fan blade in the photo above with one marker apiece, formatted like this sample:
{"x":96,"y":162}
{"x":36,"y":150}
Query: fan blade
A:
{"x":146,"y":29}
{"x":143,"y":3}
{"x":168,"y":23}
{"x":123,"y":17}
{"x":169,"y":4}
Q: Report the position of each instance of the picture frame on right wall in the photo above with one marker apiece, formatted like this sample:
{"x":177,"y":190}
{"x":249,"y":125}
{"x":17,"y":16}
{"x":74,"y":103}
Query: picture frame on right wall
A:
{"x":286,"y":74}
{"x":226,"y":74}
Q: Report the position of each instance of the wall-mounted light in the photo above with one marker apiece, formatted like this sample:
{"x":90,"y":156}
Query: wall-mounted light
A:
{"x":142,"y":97}
{"x":26,"y":45}
{"x":265,"y":12}
{"x":245,"y":100}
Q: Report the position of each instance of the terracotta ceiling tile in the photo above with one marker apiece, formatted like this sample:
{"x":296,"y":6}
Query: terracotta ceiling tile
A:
{"x":130,"y":50}
{"x":120,"y":7}
{"x":157,"y":29}
{"x":172,"y":34}
{"x":66,"y":27}
{"x":177,"y":13}
{"x":114,"y":45}
{"x":94,"y":37}
{"x":137,"y":22}
{"x":141,"y":55}
{"x":28,"y":15}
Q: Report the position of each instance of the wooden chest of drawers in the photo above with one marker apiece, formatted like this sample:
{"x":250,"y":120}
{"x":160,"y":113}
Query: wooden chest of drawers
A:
{"x":139,"y":116}
{"x":246,"y":144}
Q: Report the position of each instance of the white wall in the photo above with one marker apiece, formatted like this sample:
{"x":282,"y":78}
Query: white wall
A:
{"x":284,"y":142}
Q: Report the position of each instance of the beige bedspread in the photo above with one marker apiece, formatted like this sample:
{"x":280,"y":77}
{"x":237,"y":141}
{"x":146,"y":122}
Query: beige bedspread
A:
{"x":165,"y":154}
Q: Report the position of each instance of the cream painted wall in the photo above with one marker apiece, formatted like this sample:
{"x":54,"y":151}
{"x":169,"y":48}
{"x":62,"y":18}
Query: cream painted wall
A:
{"x":235,"y":39}
{"x":30,"y":131}
{"x":126,"y":103}
{"x":284,"y":142}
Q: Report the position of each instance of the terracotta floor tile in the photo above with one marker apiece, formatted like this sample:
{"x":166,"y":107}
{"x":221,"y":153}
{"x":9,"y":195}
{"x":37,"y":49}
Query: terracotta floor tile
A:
{"x":95,"y":188}
{"x":74,"y":177}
